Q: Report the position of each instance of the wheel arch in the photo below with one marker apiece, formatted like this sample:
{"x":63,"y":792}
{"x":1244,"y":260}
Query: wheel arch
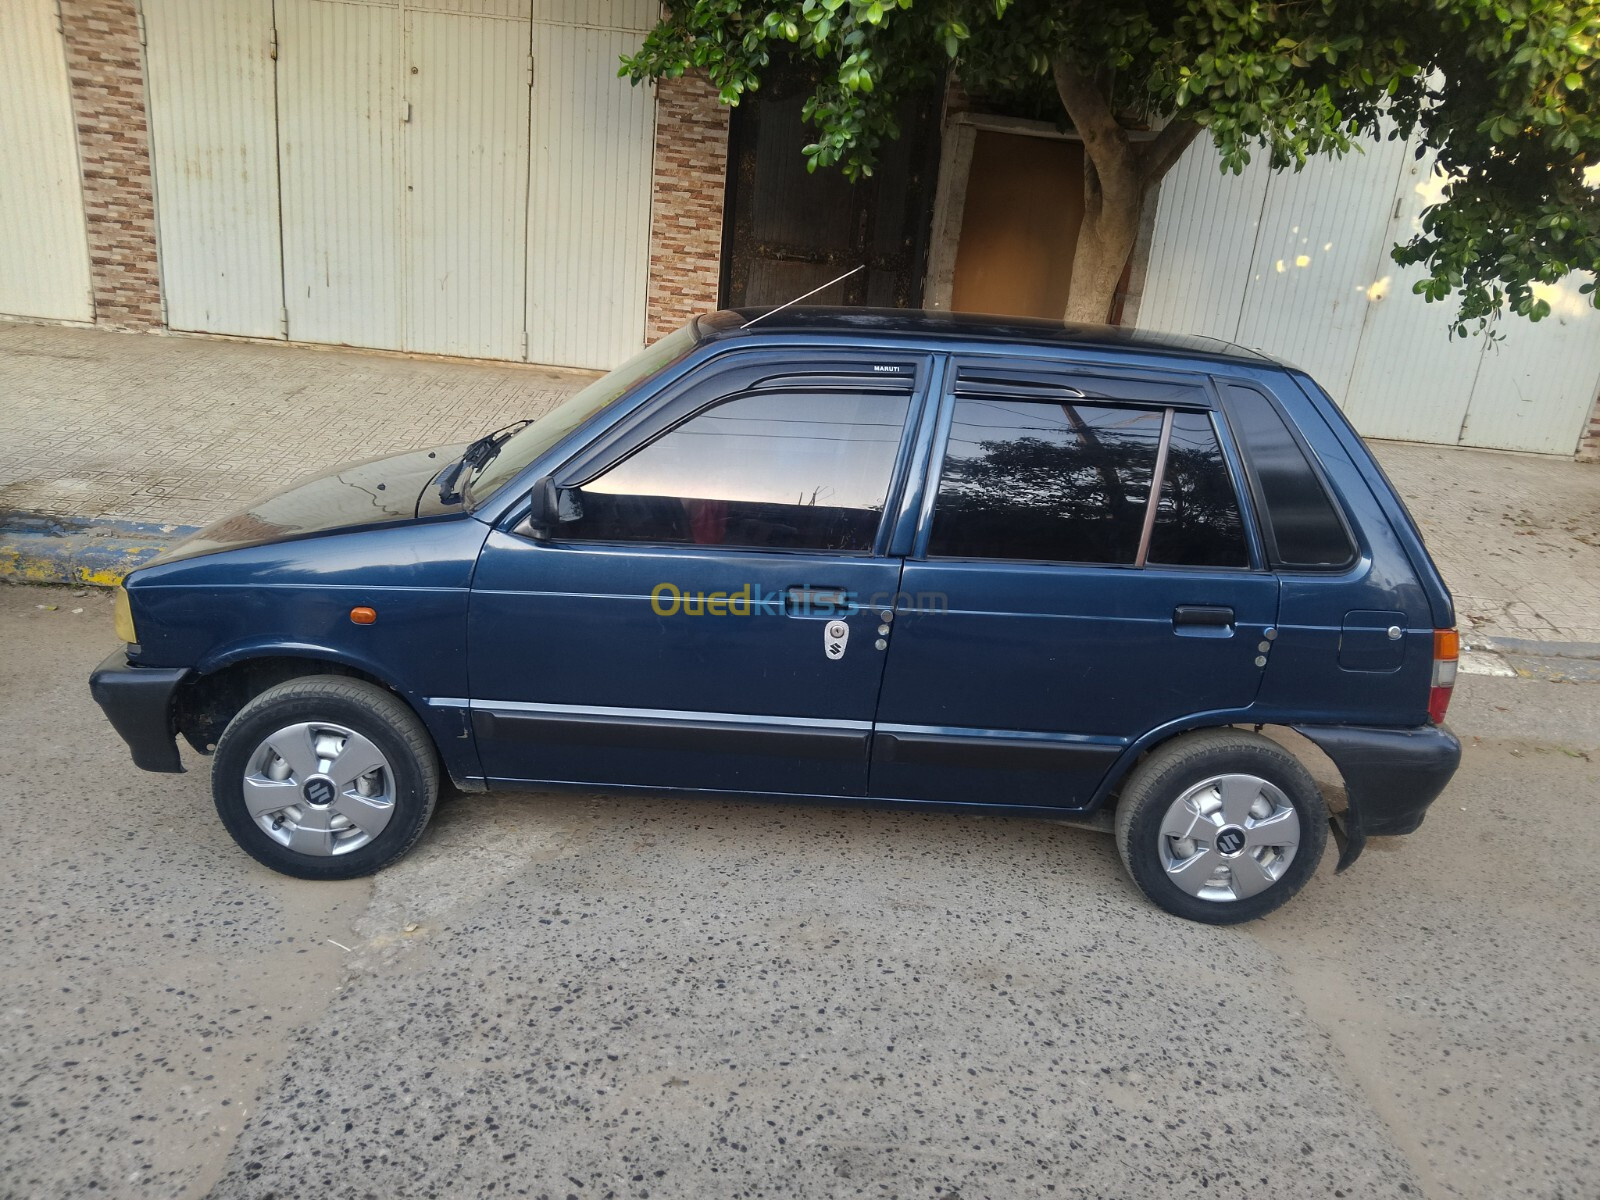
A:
{"x":210,"y":698}
{"x":213,"y":696}
{"x":1143,"y":746}
{"x":1128,"y":761}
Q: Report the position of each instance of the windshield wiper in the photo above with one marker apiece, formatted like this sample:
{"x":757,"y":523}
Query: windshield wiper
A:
{"x":473,"y":459}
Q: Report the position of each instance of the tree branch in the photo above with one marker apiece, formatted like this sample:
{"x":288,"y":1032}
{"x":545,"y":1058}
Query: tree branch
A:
{"x":1160,"y":153}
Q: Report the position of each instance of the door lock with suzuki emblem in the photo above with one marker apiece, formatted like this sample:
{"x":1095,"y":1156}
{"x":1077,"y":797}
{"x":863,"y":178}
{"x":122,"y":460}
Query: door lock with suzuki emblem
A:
{"x":835,"y":637}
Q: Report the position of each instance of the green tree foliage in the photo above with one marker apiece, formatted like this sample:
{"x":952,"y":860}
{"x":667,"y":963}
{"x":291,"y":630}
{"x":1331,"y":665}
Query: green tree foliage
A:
{"x":1502,"y":92}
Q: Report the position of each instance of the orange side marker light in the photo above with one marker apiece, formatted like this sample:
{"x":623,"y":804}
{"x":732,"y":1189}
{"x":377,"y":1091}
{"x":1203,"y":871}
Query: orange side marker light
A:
{"x":362,"y":615}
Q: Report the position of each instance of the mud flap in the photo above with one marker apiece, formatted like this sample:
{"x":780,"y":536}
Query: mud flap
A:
{"x":1348,"y":837}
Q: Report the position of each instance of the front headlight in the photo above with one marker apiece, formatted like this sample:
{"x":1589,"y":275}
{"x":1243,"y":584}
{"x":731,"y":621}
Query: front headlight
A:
{"x":122,"y":615}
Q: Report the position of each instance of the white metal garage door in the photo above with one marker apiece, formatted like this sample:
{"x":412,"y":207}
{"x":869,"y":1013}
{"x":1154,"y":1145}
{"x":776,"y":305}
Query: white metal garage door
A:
{"x":44,"y":243}
{"x":403,"y":135}
{"x":211,"y":90}
{"x":589,"y":218}
{"x":376,"y":175}
{"x":1298,"y":265}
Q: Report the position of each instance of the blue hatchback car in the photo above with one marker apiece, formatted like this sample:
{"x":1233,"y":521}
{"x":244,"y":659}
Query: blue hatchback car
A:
{"x":889,"y":558}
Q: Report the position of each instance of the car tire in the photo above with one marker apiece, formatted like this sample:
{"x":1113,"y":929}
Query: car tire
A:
{"x":325,"y":777}
{"x":1221,"y":826}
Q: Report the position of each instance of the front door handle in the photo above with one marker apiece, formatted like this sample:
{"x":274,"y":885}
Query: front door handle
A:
{"x":808,"y":600}
{"x":1215,"y":619}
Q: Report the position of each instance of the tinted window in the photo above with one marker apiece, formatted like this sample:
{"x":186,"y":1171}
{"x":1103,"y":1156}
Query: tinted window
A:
{"x":1302,"y":522}
{"x":1060,"y":482}
{"x":797,"y":471}
{"x":1197,"y":519}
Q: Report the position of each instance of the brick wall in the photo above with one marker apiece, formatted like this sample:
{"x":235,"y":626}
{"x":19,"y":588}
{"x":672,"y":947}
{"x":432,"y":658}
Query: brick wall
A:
{"x":103,"y":62}
{"x":691,"y":174}
{"x":1589,"y":443}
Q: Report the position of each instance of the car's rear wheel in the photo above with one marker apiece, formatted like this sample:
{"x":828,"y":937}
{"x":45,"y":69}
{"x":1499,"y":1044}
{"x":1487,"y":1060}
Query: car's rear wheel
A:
{"x":325,"y":777}
{"x":1221,"y":826}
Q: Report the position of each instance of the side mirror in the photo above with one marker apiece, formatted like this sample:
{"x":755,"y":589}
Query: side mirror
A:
{"x":544,"y":510}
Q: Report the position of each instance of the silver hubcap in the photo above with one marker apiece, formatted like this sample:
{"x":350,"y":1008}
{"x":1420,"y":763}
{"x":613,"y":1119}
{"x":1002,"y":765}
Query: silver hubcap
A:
{"x":1229,"y":837}
{"x":319,"y":788}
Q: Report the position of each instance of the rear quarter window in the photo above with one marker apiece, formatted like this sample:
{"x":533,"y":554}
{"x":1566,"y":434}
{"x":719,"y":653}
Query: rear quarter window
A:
{"x":1304,"y":529}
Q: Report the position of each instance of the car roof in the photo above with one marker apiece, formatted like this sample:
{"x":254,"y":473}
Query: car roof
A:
{"x":926,"y":324}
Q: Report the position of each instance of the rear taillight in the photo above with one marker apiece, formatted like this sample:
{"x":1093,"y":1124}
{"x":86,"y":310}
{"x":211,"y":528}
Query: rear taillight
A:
{"x":1446,"y":650}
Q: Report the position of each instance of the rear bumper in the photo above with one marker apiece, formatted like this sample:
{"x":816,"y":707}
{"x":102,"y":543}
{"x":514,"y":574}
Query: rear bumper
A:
{"x":1390,"y":777}
{"x":138,"y":703}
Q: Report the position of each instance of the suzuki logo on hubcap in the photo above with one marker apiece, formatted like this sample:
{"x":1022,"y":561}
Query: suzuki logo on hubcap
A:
{"x":1230,"y":840}
{"x":319,"y":789}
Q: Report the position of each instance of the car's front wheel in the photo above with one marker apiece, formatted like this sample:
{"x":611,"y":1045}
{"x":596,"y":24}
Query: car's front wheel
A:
{"x":325,"y":777}
{"x":1221,"y":826}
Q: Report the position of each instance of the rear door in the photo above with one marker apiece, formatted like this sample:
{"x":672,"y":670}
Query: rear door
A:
{"x":1081,"y":574}
{"x":700,"y":618}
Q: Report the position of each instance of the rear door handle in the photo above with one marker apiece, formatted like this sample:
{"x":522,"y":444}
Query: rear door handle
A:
{"x":1202,"y":616}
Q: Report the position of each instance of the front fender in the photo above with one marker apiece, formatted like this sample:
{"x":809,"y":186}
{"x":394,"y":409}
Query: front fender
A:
{"x":447,"y":723}
{"x":221,"y":657}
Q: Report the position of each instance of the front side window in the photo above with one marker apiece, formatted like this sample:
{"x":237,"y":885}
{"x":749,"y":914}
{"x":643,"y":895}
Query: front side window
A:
{"x":1045,"y":481}
{"x":782,"y":470}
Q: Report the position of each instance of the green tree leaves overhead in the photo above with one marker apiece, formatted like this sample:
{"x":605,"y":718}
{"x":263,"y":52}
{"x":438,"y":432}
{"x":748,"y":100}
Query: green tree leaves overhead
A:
{"x":1503,"y":92}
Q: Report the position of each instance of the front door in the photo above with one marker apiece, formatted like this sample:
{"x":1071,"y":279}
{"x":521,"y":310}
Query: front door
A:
{"x":1050,"y":613}
{"x":703,"y":617}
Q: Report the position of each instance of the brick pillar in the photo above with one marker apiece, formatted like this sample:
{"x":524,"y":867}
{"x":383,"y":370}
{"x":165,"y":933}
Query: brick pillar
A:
{"x":1589,"y":443}
{"x":686,"y":199}
{"x":104,"y":64}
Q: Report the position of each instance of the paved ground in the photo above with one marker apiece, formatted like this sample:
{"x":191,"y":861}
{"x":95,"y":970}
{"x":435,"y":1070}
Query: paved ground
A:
{"x":592,"y":995}
{"x":183,"y":430}
{"x":1517,"y":536}
{"x":175,"y":430}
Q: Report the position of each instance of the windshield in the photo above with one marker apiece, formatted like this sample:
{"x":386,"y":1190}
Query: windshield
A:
{"x":530,"y":442}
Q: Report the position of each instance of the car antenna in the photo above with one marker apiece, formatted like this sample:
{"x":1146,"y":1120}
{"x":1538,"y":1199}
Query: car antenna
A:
{"x":797,"y":299}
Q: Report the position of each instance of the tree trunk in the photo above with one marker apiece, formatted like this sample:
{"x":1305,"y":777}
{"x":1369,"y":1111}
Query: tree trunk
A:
{"x":1104,"y":242}
{"x":1118,"y":174}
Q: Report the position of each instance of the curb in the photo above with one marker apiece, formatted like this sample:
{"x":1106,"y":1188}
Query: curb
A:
{"x":1539,"y":649}
{"x":1528,"y":658}
{"x":35,"y":548}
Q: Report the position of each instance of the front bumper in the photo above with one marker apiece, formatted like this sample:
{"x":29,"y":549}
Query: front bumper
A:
{"x":1390,"y":777}
{"x":138,"y":703}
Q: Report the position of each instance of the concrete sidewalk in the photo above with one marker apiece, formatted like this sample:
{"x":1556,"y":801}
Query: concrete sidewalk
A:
{"x":114,"y":445}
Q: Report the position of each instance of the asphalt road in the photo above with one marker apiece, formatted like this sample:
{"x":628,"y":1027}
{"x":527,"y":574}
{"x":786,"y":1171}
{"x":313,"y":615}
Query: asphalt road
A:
{"x":611,"y":996}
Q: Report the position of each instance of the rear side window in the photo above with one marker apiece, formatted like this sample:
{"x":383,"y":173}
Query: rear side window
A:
{"x":1043,"y":481}
{"x":1303,"y":527}
{"x":787,"y":470}
{"x":1197,"y":519}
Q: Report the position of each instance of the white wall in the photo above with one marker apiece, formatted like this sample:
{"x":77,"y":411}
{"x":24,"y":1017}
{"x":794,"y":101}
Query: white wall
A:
{"x":44,"y":242}
{"x":1297,"y":265}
